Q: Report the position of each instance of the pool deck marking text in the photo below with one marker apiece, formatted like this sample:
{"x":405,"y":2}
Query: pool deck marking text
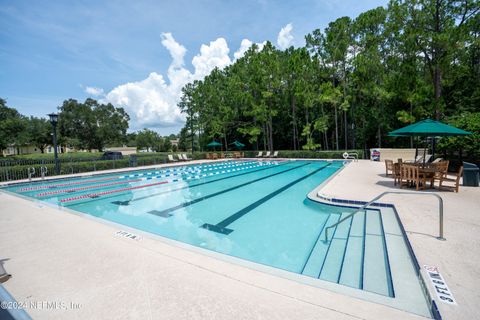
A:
{"x":129,"y":235}
{"x":441,"y":289}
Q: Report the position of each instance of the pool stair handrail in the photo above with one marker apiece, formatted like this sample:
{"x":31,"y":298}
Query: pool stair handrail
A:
{"x":350,"y":155}
{"x":31,"y":172}
{"x":364,"y":207}
{"x":44,"y":171}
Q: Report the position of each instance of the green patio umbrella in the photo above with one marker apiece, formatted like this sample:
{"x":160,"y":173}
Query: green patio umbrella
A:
{"x":237,"y":144}
{"x":428,"y":128}
{"x":214,"y":144}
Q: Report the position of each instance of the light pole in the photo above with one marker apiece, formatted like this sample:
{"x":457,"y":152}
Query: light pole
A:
{"x":54,"y":121}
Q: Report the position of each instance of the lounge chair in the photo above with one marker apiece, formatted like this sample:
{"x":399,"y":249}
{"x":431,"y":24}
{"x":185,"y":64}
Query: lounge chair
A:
{"x":171,"y":159}
{"x":184,"y":155}
{"x":455,"y":179}
{"x":267,"y":154}
{"x":179,"y":156}
{"x":389,"y":167}
{"x":418,"y":159}
{"x":275,"y":154}
{"x":259,"y":155}
{"x":437,"y":160}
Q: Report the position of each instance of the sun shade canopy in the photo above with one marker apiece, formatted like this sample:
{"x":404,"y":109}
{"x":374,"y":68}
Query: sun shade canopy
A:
{"x":428,"y":128}
{"x":237,"y":144}
{"x":214,"y":144}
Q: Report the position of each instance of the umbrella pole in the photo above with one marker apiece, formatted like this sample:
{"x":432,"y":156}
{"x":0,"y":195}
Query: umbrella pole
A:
{"x":434,"y":142}
{"x":424,"y":150}
{"x":416,"y":148}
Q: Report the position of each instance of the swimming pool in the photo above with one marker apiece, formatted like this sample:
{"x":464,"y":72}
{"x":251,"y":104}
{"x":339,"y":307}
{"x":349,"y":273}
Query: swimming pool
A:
{"x":257,"y":211}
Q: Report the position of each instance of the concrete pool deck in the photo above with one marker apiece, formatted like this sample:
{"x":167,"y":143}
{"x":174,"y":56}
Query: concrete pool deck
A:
{"x":92,"y":272}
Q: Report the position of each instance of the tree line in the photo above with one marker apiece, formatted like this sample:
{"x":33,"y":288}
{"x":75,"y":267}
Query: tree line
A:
{"x":87,"y":125}
{"x":351,"y":83}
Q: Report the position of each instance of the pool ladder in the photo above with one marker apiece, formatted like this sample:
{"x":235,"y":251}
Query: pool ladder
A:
{"x":363,"y":207}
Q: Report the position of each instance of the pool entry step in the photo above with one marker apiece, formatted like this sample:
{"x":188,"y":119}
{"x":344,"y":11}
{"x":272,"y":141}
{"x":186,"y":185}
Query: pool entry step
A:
{"x":355,"y":254}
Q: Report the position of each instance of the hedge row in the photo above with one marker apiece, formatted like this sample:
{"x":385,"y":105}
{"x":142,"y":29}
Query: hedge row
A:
{"x":17,"y":172}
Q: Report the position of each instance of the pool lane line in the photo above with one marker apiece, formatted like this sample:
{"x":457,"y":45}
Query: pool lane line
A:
{"x":98,"y":194}
{"x":182,"y":173}
{"x":221,"y":227}
{"x":189,"y":203}
{"x":267,"y":166}
{"x":52,"y":186}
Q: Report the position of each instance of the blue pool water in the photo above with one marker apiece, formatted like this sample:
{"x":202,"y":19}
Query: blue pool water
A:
{"x":253,"y":210}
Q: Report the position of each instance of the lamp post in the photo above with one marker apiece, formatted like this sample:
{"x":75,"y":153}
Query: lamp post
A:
{"x":54,"y":121}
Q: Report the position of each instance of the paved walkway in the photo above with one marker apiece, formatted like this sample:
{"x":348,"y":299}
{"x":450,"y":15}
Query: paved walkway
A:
{"x":57,"y":256}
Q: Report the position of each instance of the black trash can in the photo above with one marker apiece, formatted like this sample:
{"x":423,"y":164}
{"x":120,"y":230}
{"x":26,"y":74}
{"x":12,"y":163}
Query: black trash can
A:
{"x":471,"y":174}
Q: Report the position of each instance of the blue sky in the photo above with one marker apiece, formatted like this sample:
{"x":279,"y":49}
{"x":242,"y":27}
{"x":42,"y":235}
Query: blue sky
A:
{"x":138,"y":54}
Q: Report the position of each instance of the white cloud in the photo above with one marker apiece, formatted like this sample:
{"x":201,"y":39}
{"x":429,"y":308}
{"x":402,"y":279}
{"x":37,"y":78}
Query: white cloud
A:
{"x":94,"y":91}
{"x":211,"y":56}
{"x":152,"y":102}
{"x":176,"y":50}
{"x":285,"y":37}
{"x":244,"y":46}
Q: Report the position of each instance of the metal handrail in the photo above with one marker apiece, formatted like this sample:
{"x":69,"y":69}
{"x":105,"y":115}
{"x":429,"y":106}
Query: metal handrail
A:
{"x":362,"y":208}
{"x":350,"y":155}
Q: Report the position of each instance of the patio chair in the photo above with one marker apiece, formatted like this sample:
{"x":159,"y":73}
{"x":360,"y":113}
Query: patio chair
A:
{"x":267,"y":154}
{"x":389,"y":167}
{"x":437,"y":160}
{"x":171,"y":159}
{"x":214,"y":156}
{"x":180,"y":157}
{"x":275,"y":154}
{"x":397,"y":173}
{"x":184,"y":155}
{"x":404,"y":175}
{"x":455,"y":179}
{"x":441,"y":169}
{"x":412,"y":176}
{"x":259,"y":155}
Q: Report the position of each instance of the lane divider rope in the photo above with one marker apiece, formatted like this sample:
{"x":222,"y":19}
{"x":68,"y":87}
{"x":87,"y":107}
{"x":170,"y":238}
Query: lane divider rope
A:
{"x":96,"y":195}
{"x":51,"y":186}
